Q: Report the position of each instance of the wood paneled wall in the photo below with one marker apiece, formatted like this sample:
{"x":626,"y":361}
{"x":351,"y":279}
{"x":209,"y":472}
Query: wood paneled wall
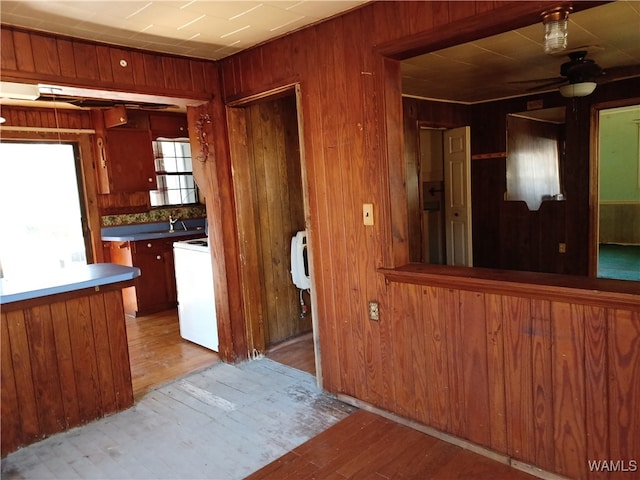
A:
{"x":28,"y":56}
{"x":64,"y":363}
{"x":352,"y":123}
{"x":548,"y":382}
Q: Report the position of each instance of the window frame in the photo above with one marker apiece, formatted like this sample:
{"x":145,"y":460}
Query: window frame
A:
{"x":162,"y":189}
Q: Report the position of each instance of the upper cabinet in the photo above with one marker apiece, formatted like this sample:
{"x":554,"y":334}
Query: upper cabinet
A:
{"x":168,"y":125}
{"x":124,"y":151}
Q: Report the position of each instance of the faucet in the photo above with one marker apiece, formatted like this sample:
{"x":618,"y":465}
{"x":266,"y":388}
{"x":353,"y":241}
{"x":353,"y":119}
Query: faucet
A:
{"x":172,"y":222}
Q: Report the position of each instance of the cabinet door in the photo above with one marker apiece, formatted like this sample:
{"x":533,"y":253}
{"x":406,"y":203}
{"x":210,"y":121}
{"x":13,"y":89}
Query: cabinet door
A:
{"x":152,"y":291}
{"x":129,"y":161}
{"x":168,"y":125}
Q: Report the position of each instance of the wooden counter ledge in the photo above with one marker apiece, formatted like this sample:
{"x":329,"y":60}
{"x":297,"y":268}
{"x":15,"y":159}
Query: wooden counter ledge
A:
{"x":548,"y":286}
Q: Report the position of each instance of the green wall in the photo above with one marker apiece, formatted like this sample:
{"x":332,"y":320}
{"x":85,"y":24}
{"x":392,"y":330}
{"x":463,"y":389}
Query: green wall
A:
{"x":619,"y":156}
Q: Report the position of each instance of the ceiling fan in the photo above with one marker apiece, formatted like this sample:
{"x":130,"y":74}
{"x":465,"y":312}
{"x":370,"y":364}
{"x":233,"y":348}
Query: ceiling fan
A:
{"x":580,"y":75}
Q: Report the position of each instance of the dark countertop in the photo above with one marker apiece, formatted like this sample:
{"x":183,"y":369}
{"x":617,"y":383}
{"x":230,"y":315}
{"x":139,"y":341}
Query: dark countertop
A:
{"x":150,"y":231}
{"x":43,"y":284}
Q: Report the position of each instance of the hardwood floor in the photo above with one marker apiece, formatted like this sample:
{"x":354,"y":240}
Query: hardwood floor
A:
{"x":367,"y":446}
{"x":297,"y":353}
{"x":158,"y":354}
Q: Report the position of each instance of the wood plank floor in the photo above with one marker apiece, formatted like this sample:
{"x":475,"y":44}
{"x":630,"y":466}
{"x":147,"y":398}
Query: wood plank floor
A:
{"x":297,"y":353}
{"x":367,"y":446}
{"x":158,"y":354}
{"x":221,"y":423}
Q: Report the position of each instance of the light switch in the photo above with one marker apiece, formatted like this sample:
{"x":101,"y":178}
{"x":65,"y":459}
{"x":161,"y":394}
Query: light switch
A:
{"x":367,"y":213}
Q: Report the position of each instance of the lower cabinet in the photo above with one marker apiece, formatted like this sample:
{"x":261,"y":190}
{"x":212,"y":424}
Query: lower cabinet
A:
{"x":155,"y":288}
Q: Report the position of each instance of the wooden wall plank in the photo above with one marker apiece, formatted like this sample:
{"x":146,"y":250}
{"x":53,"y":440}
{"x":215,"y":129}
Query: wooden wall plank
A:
{"x":45,"y":55}
{"x":104,"y":361}
{"x":122,"y":74}
{"x":119,"y":349}
{"x":596,"y":386}
{"x":64,"y":354}
{"x":10,"y":424}
{"x":623,"y":347}
{"x":437,"y":357}
{"x":494,"y":319}
{"x":8,"y":59}
{"x":518,"y":378}
{"x":404,"y":312}
{"x":451,"y":311}
{"x":66,"y":56}
{"x":569,"y":389}
{"x":84,"y":360}
{"x":86,"y":61}
{"x":44,"y":369}
{"x":25,"y":389}
{"x":542,"y":383}
{"x":169,"y":73}
{"x":475,"y":374}
{"x":23,"y":52}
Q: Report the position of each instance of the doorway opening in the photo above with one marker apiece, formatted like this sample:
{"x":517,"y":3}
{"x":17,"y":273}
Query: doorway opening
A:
{"x":44,"y":216}
{"x":440,"y":205}
{"x":270,"y":192}
{"x":617,"y":241}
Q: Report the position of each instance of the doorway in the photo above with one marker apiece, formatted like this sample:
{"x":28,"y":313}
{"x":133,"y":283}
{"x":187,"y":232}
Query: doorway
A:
{"x":443,"y":224}
{"x":44,"y":215}
{"x":270,"y":199}
{"x":616,"y":243}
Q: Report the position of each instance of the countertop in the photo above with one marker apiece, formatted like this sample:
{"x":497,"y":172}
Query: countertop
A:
{"x":63,"y":281}
{"x":150,"y":231}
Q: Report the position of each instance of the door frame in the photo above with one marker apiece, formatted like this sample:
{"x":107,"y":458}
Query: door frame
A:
{"x":250,"y":282}
{"x":594,"y":176}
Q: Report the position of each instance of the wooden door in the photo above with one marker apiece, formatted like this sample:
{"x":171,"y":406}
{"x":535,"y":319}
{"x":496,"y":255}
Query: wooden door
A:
{"x":457,"y":179}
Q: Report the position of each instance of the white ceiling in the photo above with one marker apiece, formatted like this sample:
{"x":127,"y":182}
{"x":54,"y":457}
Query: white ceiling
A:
{"x":209,"y":29}
{"x":478,"y":71}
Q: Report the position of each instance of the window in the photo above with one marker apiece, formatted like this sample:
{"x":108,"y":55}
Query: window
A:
{"x":174,"y":174}
{"x":42,"y":225}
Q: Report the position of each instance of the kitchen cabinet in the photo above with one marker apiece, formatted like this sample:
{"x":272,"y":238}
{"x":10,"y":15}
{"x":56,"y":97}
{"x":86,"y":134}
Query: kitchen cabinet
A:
{"x":125,"y":160}
{"x":168,"y":125}
{"x":155,"y":289}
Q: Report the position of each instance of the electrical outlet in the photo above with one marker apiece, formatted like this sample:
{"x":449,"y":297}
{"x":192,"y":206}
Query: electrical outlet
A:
{"x":374,"y":311}
{"x":562,"y":248}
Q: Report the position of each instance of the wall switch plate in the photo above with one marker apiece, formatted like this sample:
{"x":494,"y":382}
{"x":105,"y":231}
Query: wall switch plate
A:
{"x":367,"y":213}
{"x":374,"y":311}
{"x":562,"y":248}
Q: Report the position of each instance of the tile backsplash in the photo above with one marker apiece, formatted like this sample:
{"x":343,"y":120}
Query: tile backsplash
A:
{"x":155,"y":215}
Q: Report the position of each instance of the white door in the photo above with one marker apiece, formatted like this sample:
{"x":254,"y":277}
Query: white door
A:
{"x":457,"y":179}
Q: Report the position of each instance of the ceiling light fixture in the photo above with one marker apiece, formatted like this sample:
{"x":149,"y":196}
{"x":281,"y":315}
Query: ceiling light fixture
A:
{"x":581,"y":89}
{"x":556,"y":23}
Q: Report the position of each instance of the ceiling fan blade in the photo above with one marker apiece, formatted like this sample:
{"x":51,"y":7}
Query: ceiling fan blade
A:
{"x":619,"y":73}
{"x":535,"y":80}
{"x":556,"y":83}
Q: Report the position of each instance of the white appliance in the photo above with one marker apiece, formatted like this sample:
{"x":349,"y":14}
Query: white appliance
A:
{"x":300,"y":261}
{"x":194,"y":281}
